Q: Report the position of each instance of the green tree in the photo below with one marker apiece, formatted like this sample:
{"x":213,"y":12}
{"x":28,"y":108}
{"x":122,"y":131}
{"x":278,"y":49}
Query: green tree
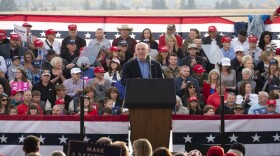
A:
{"x":86,"y":5}
{"x":191,"y":4}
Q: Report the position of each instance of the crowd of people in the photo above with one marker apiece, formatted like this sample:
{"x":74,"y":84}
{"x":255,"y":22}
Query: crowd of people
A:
{"x":141,"y":147}
{"x":42,"y":76}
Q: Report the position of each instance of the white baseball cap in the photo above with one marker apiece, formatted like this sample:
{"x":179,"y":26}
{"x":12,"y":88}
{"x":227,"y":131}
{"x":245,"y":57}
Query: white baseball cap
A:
{"x":225,"y":61}
{"x":238,"y":48}
{"x":75,"y":70}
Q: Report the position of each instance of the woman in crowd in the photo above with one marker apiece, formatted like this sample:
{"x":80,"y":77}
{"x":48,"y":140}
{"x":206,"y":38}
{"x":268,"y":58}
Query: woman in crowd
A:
{"x":266,"y":42}
{"x":163,"y":56}
{"x":246,"y":96}
{"x":228,"y":75}
{"x":209,"y":87}
{"x":113,"y":94}
{"x":31,"y":70}
{"x":191,"y":91}
{"x":194,"y":106}
{"x":179,"y":108}
{"x":271,"y":73}
{"x":90,"y":92}
{"x":142,"y":147}
{"x":57,"y":74}
{"x":4,"y":104}
{"x":273,"y":91}
{"x":21,"y":77}
{"x":51,"y":43}
{"x":173,"y":47}
{"x":88,"y":108}
{"x":147,"y":34}
{"x":193,"y":34}
{"x":247,"y":77}
{"x":33,"y":110}
{"x":114,"y":71}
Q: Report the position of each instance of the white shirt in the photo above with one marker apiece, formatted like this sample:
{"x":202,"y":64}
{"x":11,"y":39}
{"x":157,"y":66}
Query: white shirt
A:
{"x":55,"y":45}
{"x":235,"y":42}
{"x":3,"y":66}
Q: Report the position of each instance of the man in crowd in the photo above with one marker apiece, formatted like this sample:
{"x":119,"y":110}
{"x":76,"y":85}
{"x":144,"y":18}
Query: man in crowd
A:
{"x":27,"y":100}
{"x":9,"y":50}
{"x":229,"y":105}
{"x":124,"y":31}
{"x":241,"y":40}
{"x":213,"y":37}
{"x":57,"y":110}
{"x":227,"y":49}
{"x":171,"y":31}
{"x":71,"y":51}
{"x":259,"y":108}
{"x":3,"y":37}
{"x":141,"y":67}
{"x":31,"y":144}
{"x":181,"y":82}
{"x":173,"y":70}
{"x":80,"y":42}
{"x":100,"y":40}
{"x":30,"y":38}
{"x":45,"y":87}
{"x":253,"y":50}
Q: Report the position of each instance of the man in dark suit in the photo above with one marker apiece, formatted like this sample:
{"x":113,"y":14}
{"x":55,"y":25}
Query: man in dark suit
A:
{"x":213,"y":37}
{"x":142,"y":66}
{"x":12,"y":49}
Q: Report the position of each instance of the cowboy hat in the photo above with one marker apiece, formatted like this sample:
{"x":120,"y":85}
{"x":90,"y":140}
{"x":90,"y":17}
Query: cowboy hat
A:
{"x":125,"y":27}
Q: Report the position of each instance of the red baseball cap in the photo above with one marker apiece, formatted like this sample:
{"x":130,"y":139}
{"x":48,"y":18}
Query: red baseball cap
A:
{"x":50,"y":31}
{"x":212,"y":28}
{"x":26,"y":25}
{"x":215,"y":150}
{"x":253,"y":39}
{"x":72,"y":27}
{"x":163,"y":49}
{"x":114,"y":48}
{"x":198,"y":68}
{"x":14,"y":92}
{"x":14,"y":37}
{"x":38,"y":43}
{"x":271,"y":102}
{"x":99,"y":70}
{"x":3,"y":34}
{"x":193,"y":98}
{"x":225,"y":39}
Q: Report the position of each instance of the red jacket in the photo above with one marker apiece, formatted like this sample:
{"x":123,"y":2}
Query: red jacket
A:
{"x":178,"y":38}
{"x":206,"y":91}
{"x":214,"y":100}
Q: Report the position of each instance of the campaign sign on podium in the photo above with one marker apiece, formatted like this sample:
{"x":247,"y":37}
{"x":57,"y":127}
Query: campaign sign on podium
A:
{"x":80,"y":148}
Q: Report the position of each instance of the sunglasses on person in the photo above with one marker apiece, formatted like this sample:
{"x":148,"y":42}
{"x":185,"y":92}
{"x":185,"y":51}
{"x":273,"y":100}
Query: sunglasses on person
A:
{"x":191,"y":87}
{"x":4,"y":99}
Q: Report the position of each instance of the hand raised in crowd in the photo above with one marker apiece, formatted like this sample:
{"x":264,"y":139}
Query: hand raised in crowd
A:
{"x":184,"y":85}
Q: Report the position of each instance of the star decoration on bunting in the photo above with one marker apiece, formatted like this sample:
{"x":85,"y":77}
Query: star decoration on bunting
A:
{"x":210,"y":138}
{"x":62,"y":139}
{"x":188,"y":138}
{"x":233,"y":138}
{"x":132,"y":36}
{"x":276,"y":137}
{"x":160,"y":35}
{"x":42,"y":139}
{"x":87,"y":35}
{"x":278,"y":36}
{"x":43,"y":34}
{"x":3,"y":139}
{"x":58,"y":35}
{"x":117,"y":35}
{"x":222,"y":34}
{"x":12,"y":32}
{"x":86,"y":138}
{"x":206,"y":34}
{"x":256,"y":138}
{"x":21,"y":139}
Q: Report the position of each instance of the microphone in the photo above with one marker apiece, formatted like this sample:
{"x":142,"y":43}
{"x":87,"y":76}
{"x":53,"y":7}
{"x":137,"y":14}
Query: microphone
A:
{"x":82,"y":62}
{"x":150,"y":65}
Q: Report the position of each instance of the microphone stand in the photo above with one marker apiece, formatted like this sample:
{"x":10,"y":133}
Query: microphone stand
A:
{"x":222,"y":130}
{"x":150,"y":66}
{"x":82,"y":107}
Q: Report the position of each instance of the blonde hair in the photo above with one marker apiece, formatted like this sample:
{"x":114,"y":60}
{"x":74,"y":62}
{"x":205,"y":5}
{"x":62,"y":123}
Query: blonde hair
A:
{"x":55,"y":60}
{"x":265,"y":54}
{"x":211,"y":72}
{"x":246,"y":58}
{"x":142,"y":147}
{"x":125,"y":151}
{"x":172,"y":38}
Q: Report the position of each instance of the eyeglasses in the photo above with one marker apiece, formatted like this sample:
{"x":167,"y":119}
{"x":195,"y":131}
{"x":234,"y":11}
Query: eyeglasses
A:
{"x":4,"y":99}
{"x":191,"y":87}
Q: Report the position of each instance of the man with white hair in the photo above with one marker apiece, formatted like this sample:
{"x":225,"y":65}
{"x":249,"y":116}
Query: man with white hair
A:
{"x":259,"y":108}
{"x":142,"y":66}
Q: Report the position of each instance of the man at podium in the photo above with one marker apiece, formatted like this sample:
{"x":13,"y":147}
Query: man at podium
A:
{"x":142,"y":66}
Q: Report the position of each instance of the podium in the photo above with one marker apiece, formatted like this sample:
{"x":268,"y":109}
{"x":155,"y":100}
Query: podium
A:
{"x":150,"y":103}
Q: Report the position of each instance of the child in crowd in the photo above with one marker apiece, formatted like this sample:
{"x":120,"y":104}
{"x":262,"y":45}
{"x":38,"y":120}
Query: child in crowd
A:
{"x":16,"y":97}
{"x":33,"y":110}
{"x":13,"y":110}
{"x":209,"y":110}
{"x":36,"y":98}
{"x":109,"y":104}
{"x":13,"y":68}
{"x":238,"y":109}
{"x":113,"y":93}
{"x":106,"y":111}
{"x":89,"y":110}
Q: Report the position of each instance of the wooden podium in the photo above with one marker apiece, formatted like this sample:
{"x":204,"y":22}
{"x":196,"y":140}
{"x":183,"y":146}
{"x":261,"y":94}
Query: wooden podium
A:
{"x":150,"y":103}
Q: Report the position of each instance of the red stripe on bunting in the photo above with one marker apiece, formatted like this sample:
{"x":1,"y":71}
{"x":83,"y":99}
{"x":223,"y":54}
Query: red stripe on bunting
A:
{"x":116,"y":19}
{"x":112,"y":118}
{"x":227,"y":117}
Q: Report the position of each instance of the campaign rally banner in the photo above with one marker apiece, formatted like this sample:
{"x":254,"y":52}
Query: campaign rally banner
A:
{"x":20,"y":86}
{"x":259,"y":133}
{"x":21,"y":31}
{"x":56,"y":131}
